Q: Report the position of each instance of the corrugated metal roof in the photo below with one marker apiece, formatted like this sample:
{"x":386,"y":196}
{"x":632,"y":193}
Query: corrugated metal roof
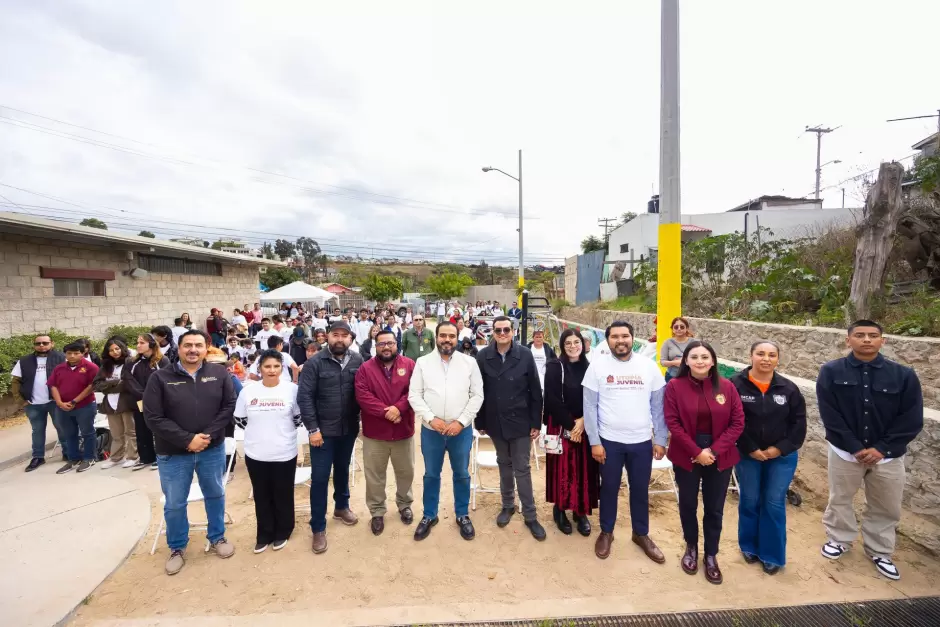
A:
{"x":39,"y":227}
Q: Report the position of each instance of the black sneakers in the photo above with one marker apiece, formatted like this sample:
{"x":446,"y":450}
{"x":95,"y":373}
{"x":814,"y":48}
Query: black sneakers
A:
{"x":35,"y":463}
{"x":68,"y":467}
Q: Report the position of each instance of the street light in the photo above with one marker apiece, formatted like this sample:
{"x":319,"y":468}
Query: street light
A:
{"x":518,"y":179}
{"x":828,"y":162}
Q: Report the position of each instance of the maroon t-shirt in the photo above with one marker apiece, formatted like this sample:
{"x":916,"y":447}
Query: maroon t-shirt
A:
{"x":71,"y":381}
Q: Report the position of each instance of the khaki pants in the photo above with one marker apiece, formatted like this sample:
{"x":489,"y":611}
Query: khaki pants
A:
{"x":123,"y":436}
{"x":375,"y":456}
{"x":884,"y":485}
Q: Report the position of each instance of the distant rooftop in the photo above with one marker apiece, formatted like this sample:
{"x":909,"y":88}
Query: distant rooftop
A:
{"x":781,"y":201}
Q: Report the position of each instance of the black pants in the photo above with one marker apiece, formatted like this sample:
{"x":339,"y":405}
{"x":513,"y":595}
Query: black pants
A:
{"x":145,"y":449}
{"x":273,"y":485}
{"x":714,"y":489}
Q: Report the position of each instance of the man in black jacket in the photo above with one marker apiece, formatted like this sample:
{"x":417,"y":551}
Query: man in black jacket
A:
{"x":188,"y":406}
{"x":328,"y":408}
{"x":29,"y":385}
{"x":512,"y":416}
{"x":872,"y":408}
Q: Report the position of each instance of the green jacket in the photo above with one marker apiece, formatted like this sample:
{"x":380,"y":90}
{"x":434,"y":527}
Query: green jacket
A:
{"x":413,"y":346}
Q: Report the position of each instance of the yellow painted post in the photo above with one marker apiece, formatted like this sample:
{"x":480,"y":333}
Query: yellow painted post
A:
{"x":669,"y":254}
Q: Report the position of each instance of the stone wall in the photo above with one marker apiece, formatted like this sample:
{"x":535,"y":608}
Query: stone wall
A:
{"x":28,"y":304}
{"x":803,"y":349}
{"x":921,"y":520}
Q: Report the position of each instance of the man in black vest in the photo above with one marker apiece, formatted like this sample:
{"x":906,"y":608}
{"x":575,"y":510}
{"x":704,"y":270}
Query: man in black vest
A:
{"x":29,"y":385}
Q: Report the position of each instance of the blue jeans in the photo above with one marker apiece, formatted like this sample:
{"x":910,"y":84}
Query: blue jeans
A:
{"x":334,"y":454}
{"x":218,"y":340}
{"x":638,"y":460}
{"x":71,"y":423}
{"x":176,"y":477}
{"x":433,"y":447}
{"x":38,"y":419}
{"x":762,"y":509}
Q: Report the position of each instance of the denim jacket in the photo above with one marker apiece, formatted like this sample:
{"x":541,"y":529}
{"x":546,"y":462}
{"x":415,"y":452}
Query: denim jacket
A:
{"x":876,"y":404}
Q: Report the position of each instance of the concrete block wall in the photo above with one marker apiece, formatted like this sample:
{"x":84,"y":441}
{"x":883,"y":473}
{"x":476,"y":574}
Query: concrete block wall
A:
{"x":29,"y":306}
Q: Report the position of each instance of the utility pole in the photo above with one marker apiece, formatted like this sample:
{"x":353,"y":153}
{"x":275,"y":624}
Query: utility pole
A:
{"x":819,"y":133}
{"x":669,"y":263}
{"x":605,"y":222}
{"x":521,"y":266}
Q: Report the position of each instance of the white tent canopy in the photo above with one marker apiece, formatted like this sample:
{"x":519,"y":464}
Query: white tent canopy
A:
{"x":297,"y":292}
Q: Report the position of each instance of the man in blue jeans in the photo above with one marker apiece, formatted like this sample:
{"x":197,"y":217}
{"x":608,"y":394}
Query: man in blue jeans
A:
{"x":188,"y":407}
{"x":330,"y":412}
{"x":29,"y":384}
{"x":446,"y":393}
{"x":72,"y":390}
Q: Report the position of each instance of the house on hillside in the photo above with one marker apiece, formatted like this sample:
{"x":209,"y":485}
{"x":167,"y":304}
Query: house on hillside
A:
{"x":785,"y":217}
{"x":83,"y":280}
{"x":927,"y":147}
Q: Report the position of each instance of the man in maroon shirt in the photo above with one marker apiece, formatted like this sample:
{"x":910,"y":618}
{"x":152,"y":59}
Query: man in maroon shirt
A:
{"x":71,"y":385}
{"x":388,"y":428}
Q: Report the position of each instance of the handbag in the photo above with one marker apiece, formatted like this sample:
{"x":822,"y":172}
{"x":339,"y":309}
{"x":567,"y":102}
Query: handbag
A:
{"x":553,"y":443}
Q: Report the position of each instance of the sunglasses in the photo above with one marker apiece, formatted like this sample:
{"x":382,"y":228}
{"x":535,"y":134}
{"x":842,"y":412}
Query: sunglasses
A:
{"x":502,"y":331}
{"x":41,"y":343}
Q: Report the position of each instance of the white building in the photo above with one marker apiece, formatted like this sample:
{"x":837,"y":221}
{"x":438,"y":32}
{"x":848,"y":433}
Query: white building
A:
{"x":786,"y":218}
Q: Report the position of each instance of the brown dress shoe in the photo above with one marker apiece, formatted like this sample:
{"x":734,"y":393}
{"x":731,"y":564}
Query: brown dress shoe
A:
{"x":407,"y":516}
{"x":377,"y":525}
{"x":649,"y":547}
{"x":690,"y":559}
{"x":319,"y":542}
{"x":602,"y":545}
{"x":345,"y":516}
{"x":712,"y":572}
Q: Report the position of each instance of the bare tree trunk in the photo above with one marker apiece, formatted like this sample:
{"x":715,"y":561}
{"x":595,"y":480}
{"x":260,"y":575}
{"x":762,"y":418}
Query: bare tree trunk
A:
{"x":882,"y":211}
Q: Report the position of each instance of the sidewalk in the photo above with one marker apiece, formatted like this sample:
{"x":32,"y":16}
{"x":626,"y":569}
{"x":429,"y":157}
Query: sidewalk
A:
{"x":61,"y":536}
{"x":15,"y":445}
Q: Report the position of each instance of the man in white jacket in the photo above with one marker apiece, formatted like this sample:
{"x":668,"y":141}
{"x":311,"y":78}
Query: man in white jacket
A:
{"x":446,"y":393}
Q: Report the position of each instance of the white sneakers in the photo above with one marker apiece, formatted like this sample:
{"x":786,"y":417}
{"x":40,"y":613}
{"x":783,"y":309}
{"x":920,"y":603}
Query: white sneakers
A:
{"x":885,"y":567}
{"x":127,"y":463}
{"x":108,"y":464}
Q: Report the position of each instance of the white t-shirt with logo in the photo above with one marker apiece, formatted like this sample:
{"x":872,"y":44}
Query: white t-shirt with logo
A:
{"x":318,"y":323}
{"x":262,"y":337}
{"x":286,"y":375}
{"x":540,"y":359}
{"x":270,"y":433}
{"x":624,"y":389}
{"x":40,"y":390}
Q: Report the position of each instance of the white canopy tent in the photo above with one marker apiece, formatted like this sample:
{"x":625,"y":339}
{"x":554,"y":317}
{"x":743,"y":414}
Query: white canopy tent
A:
{"x":297,"y":292}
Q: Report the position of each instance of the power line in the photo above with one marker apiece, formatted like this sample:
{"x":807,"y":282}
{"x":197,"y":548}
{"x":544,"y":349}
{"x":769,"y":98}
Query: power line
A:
{"x":820,"y":131}
{"x":605,"y":222}
{"x":357,"y":194}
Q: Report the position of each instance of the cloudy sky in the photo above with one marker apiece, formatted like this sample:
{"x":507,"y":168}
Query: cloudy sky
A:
{"x":366,"y":127}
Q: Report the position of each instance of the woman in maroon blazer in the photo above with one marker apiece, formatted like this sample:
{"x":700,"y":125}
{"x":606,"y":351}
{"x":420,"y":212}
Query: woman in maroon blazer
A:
{"x":705,"y":419}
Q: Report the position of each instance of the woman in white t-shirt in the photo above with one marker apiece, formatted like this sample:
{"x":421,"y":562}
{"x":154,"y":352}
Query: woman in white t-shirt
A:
{"x":270,"y":416}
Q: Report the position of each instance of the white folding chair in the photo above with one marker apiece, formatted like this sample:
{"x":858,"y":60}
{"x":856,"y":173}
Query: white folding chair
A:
{"x":538,"y":446}
{"x":478,"y":459}
{"x":302,"y":473}
{"x":662,"y":467}
{"x":353,"y":465}
{"x":733,"y":484}
{"x":196,"y":495}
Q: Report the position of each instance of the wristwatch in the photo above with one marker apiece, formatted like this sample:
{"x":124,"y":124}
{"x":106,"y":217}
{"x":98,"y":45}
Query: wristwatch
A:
{"x":312,"y":431}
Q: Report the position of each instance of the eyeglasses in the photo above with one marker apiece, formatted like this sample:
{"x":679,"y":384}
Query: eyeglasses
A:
{"x":41,"y":343}
{"x":679,"y":327}
{"x":384,"y":344}
{"x":502,"y":331}
{"x":574,"y":343}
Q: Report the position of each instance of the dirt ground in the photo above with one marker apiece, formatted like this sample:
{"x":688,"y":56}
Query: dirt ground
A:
{"x":502,"y":574}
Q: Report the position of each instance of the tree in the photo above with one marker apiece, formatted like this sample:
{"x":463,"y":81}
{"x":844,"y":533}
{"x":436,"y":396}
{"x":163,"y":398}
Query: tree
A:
{"x":627,"y":216}
{"x":267,"y":251}
{"x":277,"y":277}
{"x":482,"y":273}
{"x":94,"y":223}
{"x":882,"y":210}
{"x":284,"y":248}
{"x":145,"y":234}
{"x":449,"y":284}
{"x":310,"y":251}
{"x":382,"y":288}
{"x":220,"y":244}
{"x":591,"y":243}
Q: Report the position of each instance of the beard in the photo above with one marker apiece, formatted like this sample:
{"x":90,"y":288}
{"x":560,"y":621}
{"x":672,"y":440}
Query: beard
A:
{"x":387,"y":358}
{"x":622,"y":350}
{"x":446,"y":349}
{"x":338,"y":349}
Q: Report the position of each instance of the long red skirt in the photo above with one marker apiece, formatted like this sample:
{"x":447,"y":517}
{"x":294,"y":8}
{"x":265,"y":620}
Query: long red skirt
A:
{"x":572,"y":479}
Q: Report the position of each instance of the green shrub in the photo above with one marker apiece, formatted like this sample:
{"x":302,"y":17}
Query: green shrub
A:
{"x":15,"y":347}
{"x":559,"y":303}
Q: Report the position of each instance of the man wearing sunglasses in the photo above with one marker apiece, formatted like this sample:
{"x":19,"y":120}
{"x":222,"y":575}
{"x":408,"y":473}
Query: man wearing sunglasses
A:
{"x":512,"y":416}
{"x":29,"y":385}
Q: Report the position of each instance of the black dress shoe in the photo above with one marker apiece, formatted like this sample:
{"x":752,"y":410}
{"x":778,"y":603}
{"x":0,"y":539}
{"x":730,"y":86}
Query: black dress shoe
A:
{"x":407,"y":516}
{"x":538,"y":531}
{"x":583,"y":524}
{"x":749,"y":558}
{"x":424,"y":527}
{"x":505,"y":516}
{"x":35,"y":463}
{"x":712,"y":572}
{"x":770,"y":569}
{"x":466,"y":528}
{"x":690,"y":560}
{"x":377,"y":525}
{"x":561,"y":519}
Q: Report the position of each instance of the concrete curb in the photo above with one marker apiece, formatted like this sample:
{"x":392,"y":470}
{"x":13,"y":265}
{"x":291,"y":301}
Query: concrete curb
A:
{"x":23,"y":457}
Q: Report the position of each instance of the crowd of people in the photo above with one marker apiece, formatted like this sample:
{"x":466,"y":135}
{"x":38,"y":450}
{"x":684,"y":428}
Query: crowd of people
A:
{"x":381,"y":377}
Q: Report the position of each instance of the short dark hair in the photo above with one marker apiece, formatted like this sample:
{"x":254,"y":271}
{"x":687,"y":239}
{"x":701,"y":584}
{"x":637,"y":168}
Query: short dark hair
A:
{"x":502,"y":319}
{"x":274,"y":341}
{"x":265,"y":319}
{"x":277,"y":318}
{"x":619,"y":323}
{"x":202,"y":334}
{"x":270,"y":354}
{"x":75,"y":347}
{"x":177,"y":321}
{"x":865,"y":323}
{"x":385,"y":332}
{"x":161,"y":330}
{"x":446,"y":323}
